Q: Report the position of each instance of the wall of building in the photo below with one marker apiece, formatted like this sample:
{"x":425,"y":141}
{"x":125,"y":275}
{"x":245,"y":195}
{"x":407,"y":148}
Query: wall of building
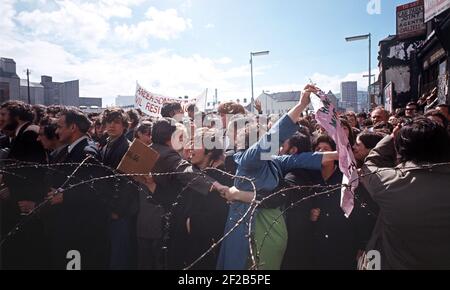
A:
{"x":88,"y":102}
{"x":36,"y":94}
{"x":399,"y":65}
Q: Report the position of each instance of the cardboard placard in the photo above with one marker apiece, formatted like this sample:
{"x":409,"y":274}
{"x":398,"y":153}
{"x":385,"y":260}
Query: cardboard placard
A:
{"x":139,"y":159}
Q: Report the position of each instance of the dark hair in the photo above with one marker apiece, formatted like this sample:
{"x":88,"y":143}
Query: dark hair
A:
{"x":133,"y":117}
{"x":301,"y":141}
{"x":55,"y":109}
{"x":351,"y":136}
{"x":49,"y":126}
{"x":323,"y":139}
{"x":411,"y":104}
{"x":370,"y":139}
{"x":422,"y":140}
{"x":19,"y":109}
{"x":192,"y":108}
{"x":39,"y":113}
{"x":400,"y":113}
{"x":114,"y":114}
{"x":168,"y":109}
{"x":211,"y":135}
{"x":231,"y":108}
{"x":384,"y":126}
{"x":144,"y":128}
{"x":362,"y":115}
{"x":76,"y":117}
{"x":436,"y":113}
{"x":162,"y":131}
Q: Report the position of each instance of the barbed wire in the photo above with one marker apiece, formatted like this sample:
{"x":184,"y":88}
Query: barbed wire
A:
{"x":250,"y":212}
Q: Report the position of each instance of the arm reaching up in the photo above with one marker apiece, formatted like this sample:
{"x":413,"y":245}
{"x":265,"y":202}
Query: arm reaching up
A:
{"x":296,"y":111}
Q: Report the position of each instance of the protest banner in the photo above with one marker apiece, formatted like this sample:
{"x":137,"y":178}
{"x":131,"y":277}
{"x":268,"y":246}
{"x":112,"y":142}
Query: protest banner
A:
{"x":326,"y":116}
{"x":151,"y":103}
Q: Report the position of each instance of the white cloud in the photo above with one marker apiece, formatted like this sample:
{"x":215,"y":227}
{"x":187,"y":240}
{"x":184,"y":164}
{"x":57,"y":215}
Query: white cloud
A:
{"x":8,"y":12}
{"x":165,"y":25}
{"x":81,"y":24}
{"x":210,"y":26}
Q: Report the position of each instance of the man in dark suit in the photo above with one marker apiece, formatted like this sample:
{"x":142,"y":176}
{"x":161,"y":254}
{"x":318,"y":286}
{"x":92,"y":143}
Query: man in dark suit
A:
{"x":79,"y":213}
{"x":25,"y":249}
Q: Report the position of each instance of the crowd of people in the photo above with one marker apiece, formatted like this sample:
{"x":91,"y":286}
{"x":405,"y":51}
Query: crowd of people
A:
{"x":211,"y":171}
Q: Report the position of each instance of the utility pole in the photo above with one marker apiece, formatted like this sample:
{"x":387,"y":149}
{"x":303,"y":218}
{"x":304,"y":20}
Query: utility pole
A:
{"x":28,"y":85}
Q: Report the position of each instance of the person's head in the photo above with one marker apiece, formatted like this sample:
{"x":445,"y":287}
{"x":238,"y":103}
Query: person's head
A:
{"x":323,"y":143}
{"x":348,"y":131}
{"x":133,"y":118}
{"x":422,"y":140}
{"x":191,"y":110}
{"x":384,"y":127}
{"x":206,"y":148}
{"x":444,"y":110}
{"x":54,"y":110}
{"x":162,"y":131}
{"x":99,"y":127}
{"x":437,"y":117}
{"x":39,"y":113}
{"x":379,"y":114}
{"x":116,"y":122}
{"x":352,"y":120}
{"x":361,"y":117}
{"x":72,"y":124}
{"x":365,"y":142}
{"x":47,"y":133}
{"x":297,"y":144}
{"x":143,"y":132}
{"x":172,"y":110}
{"x":411,"y":109}
{"x":393,"y":120}
{"x":180,"y":137}
{"x":229,"y":108}
{"x":14,"y":113}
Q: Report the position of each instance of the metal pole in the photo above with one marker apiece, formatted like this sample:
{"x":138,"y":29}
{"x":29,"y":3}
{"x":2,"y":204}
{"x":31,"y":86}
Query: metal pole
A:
{"x":28,"y":85}
{"x":251,"y":71}
{"x":370,"y":68}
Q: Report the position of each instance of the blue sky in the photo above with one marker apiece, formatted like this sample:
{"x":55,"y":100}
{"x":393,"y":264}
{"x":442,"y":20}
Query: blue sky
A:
{"x":178,"y":47}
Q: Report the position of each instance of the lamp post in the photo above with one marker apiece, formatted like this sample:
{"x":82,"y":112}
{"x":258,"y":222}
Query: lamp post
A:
{"x":252,"y":54}
{"x":363,"y":37}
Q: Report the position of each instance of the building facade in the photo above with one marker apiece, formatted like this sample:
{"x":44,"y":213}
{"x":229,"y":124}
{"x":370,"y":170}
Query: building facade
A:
{"x":61,"y":93}
{"x":9,"y":80}
{"x":36,"y":92}
{"x":125,"y":101}
{"x":415,"y":64}
{"x":278,"y":103}
{"x":91,"y":102}
{"x":349,"y":96}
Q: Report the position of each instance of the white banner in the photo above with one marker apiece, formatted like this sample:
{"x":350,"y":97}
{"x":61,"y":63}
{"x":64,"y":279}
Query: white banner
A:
{"x":151,"y":103}
{"x":435,"y":7}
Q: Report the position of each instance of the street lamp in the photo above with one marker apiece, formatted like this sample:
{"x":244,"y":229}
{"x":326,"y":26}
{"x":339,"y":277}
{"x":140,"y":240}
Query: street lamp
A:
{"x":364,"y":37}
{"x":252,"y":54}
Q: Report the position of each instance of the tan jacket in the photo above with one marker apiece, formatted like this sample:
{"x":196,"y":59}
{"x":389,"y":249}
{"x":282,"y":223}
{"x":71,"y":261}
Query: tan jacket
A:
{"x":413,"y":228}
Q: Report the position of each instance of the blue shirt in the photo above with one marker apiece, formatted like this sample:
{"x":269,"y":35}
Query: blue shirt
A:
{"x":266,"y":175}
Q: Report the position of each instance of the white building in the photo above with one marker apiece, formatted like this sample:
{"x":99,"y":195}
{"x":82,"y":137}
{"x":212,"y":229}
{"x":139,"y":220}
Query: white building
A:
{"x":125,"y":101}
{"x":36,"y":92}
{"x":278,"y":103}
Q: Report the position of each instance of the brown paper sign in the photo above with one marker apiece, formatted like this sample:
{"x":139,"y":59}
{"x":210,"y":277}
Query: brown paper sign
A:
{"x":139,"y":159}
